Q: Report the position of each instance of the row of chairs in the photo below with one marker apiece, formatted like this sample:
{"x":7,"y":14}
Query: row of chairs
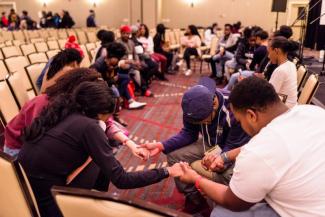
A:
{"x":71,"y":201}
{"x":84,"y":35}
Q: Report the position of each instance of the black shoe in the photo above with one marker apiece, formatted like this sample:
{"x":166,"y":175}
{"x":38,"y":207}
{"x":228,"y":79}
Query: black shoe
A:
{"x":195,"y":204}
{"x":120,"y":121}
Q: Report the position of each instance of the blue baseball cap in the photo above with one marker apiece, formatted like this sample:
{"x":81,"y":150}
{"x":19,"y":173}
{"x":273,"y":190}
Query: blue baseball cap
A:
{"x":197,"y":102}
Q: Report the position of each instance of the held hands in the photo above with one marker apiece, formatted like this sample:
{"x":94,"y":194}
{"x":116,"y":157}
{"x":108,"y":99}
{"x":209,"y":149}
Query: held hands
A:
{"x":175,"y":170}
{"x":154,"y":148}
{"x":188,"y":175}
{"x":213,"y":163}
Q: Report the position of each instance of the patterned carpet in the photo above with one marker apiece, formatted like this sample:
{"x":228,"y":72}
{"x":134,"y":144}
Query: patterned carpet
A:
{"x":160,"y":119}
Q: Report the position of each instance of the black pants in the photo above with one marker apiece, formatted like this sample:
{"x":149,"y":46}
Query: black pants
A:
{"x":169,"y":56}
{"x":187,"y":55}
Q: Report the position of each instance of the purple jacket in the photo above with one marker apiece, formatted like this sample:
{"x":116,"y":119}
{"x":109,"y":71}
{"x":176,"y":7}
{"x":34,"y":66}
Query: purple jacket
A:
{"x":228,"y":135}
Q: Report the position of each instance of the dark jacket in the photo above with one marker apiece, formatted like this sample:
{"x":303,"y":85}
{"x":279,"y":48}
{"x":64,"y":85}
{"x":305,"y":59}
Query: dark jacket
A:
{"x":91,"y":21}
{"x":230,"y":134}
{"x":243,"y":52}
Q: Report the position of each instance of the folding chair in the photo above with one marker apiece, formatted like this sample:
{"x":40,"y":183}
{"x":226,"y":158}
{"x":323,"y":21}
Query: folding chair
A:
{"x":16,"y":195}
{"x":27,"y":49}
{"x":213,"y":48}
{"x":86,"y":60}
{"x":80,"y":202}
{"x":41,"y":46}
{"x":33,"y":71}
{"x":309,"y":90}
{"x":19,"y":35}
{"x":301,"y":76}
{"x":90,"y":46}
{"x":53,"y":45}
{"x":82,"y":38}
{"x":17,"y":64}
{"x":37,"y":58}
{"x":52,"y":53}
{"x":18,"y":89}
{"x":3,"y":70}
{"x":7,"y":35}
{"x":62,"y":43}
{"x":91,"y":36}
{"x":8,"y":103}
{"x":62,"y":34}
{"x":10,"y":51}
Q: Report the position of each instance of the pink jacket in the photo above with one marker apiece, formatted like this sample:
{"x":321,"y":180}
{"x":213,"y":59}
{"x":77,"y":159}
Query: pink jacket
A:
{"x":31,"y":110}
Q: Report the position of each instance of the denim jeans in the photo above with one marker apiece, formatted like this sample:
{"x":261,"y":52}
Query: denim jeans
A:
{"x":11,"y":151}
{"x":258,"y":210}
{"x":218,"y":62}
{"x":234,"y":79}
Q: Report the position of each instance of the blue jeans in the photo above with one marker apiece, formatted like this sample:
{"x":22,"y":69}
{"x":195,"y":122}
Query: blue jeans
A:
{"x":234,"y":79}
{"x":258,"y":210}
{"x":221,"y":60}
{"x":11,"y":151}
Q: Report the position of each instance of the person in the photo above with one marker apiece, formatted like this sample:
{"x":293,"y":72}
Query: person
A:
{"x":244,"y":52}
{"x":50,"y":20}
{"x":205,"y":112}
{"x":109,"y":68}
{"x":147,"y":42}
{"x":225,"y":51}
{"x":26,"y":21}
{"x":191,"y":42}
{"x":57,"y":66}
{"x":13,"y":20}
{"x":42,"y":22}
{"x":66,"y":20}
{"x":210,"y":33}
{"x":284,"y":77}
{"x":4,"y":20}
{"x":72,"y":43}
{"x":133,"y":65}
{"x":91,"y":19}
{"x":63,"y":136}
{"x":280,"y":171}
{"x":105,"y":37}
{"x":254,"y":67}
{"x":161,"y":46}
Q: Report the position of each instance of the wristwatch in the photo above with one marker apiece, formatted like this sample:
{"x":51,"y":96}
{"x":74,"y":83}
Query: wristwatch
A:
{"x":166,"y":173}
{"x":225,"y":158}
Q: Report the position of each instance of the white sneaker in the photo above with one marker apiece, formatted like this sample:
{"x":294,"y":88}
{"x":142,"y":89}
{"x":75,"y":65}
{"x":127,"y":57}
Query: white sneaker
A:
{"x":179,"y":63}
{"x":188,"y":72}
{"x":136,"y":105}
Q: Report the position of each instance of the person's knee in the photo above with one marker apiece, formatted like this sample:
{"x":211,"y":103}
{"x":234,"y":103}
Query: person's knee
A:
{"x":219,"y":211}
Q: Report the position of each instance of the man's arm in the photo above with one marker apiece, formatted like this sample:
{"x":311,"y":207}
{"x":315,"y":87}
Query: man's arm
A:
{"x":219,"y":193}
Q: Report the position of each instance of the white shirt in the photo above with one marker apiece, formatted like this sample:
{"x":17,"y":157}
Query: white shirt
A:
{"x":284,"y":81}
{"x":285,"y":164}
{"x":147,"y":44}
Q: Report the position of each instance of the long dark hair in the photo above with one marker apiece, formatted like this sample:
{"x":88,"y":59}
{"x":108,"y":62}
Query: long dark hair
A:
{"x":89,"y":99}
{"x":146,"y":30}
{"x":282,"y":43}
{"x":62,"y":59}
{"x":69,"y":81}
{"x":194,"y":30}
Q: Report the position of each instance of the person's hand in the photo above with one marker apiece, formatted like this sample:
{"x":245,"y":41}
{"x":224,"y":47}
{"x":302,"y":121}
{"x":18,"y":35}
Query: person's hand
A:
{"x":259,"y":75}
{"x":222,"y":51}
{"x":189,"y":175}
{"x":207,"y":161}
{"x":175,"y":170}
{"x":141,"y":153}
{"x":154,"y":148}
{"x":240,"y":78}
{"x":217,"y":165}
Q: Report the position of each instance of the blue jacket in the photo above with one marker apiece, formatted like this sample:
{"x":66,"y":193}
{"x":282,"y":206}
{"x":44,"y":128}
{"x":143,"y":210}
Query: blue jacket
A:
{"x":228,"y":135}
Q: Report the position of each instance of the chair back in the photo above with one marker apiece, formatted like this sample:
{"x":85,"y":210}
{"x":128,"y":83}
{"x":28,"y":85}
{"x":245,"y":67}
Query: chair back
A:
{"x":18,"y":64}
{"x":214,"y":45}
{"x":33,"y":72}
{"x":301,"y":75}
{"x":82,"y":38}
{"x":53,"y":45}
{"x":41,"y":46}
{"x":309,"y":90}
{"x":8,"y":105}
{"x":17,"y":87}
{"x":52,"y":53}
{"x":82,"y":203}
{"x":86,"y":60}
{"x":16,"y":197}
{"x":3,"y":70}
{"x":10,"y":51}
{"x":37,"y":58}
{"x":27,"y":49}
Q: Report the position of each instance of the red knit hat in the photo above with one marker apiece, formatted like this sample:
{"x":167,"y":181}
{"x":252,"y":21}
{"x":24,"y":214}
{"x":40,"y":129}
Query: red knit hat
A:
{"x":71,"y":43}
{"x":126,"y":29}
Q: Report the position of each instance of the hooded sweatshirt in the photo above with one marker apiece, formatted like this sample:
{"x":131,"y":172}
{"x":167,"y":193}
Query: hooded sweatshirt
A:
{"x":224,"y":131}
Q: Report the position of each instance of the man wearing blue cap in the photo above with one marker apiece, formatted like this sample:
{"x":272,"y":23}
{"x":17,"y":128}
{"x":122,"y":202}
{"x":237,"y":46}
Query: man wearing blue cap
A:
{"x":205,"y":112}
